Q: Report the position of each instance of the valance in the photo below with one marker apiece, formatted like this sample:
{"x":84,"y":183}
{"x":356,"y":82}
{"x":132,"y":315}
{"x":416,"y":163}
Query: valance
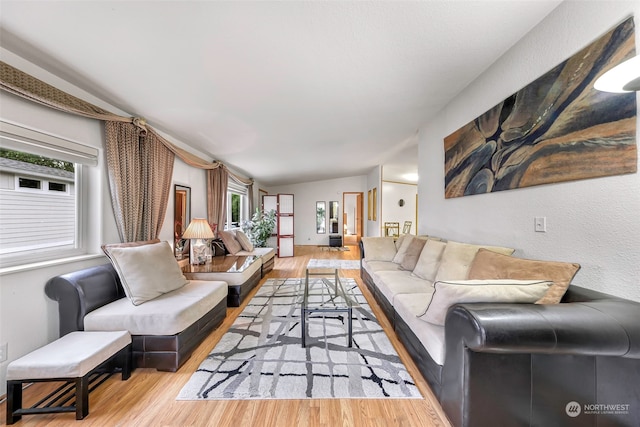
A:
{"x":26,"y":86}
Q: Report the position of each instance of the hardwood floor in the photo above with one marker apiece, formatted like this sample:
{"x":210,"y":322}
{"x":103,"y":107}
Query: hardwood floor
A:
{"x":148,"y":397}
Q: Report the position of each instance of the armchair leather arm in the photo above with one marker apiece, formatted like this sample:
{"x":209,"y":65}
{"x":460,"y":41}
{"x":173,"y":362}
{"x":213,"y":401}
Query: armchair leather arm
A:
{"x":81,"y":292}
{"x":598,"y":328}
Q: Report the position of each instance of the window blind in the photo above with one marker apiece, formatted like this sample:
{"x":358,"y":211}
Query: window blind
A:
{"x":15,"y":137}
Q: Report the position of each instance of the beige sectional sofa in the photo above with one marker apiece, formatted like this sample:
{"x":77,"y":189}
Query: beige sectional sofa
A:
{"x":503,"y":340}
{"x":401,"y":275}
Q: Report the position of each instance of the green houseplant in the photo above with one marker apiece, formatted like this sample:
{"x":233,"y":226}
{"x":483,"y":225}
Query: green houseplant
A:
{"x":261,"y":227}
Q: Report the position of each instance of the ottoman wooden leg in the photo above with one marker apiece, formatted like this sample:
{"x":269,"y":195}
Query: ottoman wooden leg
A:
{"x":82,"y":397}
{"x":14,"y":401}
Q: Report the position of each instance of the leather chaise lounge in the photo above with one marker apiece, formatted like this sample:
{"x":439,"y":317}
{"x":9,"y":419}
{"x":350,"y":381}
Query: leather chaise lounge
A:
{"x":89,"y":291}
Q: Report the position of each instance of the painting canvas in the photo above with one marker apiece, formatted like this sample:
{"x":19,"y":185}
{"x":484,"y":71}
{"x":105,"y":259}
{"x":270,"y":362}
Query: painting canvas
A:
{"x":558,"y":128}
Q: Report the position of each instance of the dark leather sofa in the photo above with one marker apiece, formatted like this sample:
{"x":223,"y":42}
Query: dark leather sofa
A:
{"x":529,"y":365}
{"x":80,"y":292}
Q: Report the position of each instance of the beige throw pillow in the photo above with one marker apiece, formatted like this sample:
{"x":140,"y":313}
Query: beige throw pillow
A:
{"x":429,"y":260}
{"x":400,"y":240}
{"x":146,"y":271}
{"x":457,"y":258}
{"x":230,"y":241}
{"x":244,"y":241}
{"x":490,"y":265}
{"x":449,"y":293}
{"x":402,"y":248}
{"x":412,"y":254}
{"x":379,"y":248}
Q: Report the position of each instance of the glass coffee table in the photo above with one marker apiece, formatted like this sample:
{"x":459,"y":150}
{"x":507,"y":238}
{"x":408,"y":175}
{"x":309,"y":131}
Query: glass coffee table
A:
{"x":324,"y":293}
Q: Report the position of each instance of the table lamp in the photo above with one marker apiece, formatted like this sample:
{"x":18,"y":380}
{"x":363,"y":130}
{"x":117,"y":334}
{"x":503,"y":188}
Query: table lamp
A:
{"x":197,"y":231}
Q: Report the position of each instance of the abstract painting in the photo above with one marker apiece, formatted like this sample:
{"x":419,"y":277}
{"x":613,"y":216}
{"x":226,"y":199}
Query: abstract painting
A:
{"x":558,"y":128}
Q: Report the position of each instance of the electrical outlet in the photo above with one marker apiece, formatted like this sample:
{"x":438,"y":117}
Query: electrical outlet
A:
{"x":4,"y":351}
{"x":541,"y":224}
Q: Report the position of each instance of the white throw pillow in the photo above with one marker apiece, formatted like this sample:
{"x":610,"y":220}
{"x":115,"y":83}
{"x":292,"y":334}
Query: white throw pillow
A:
{"x":379,"y":248}
{"x":244,"y":241}
{"x":429,"y":260}
{"x":146,"y":271}
{"x":457,"y":258}
{"x":449,"y":293}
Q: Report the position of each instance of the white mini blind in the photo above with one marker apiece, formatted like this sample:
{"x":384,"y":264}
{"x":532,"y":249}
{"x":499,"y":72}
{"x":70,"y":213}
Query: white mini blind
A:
{"x":237,"y":188}
{"x":18,"y":138}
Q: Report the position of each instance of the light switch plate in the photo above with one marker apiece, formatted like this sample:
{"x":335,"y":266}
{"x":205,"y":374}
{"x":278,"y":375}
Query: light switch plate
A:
{"x":541,"y":224}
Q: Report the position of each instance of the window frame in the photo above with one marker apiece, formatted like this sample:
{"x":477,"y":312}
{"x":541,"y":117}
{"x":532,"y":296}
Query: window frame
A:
{"x":17,"y":138}
{"x":236,"y":189}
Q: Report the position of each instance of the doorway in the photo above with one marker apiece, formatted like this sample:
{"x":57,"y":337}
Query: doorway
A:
{"x":352,"y":226}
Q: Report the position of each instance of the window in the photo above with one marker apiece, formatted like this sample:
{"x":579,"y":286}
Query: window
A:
{"x":26,"y":182}
{"x":237,"y":206}
{"x":41,"y":203}
{"x":57,"y":186}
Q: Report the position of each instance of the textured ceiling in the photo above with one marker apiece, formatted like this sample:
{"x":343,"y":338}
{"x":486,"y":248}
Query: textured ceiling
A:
{"x":284,"y":92}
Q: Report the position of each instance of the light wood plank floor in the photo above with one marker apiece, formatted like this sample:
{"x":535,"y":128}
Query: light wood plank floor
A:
{"x":148,"y":397}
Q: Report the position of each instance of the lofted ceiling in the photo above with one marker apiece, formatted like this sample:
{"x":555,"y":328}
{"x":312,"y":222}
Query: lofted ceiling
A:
{"x":281,"y":91}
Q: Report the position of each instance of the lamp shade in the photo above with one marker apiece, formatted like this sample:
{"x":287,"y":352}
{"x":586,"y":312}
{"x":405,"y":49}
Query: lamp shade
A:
{"x":622,"y":78}
{"x":198,"y":229}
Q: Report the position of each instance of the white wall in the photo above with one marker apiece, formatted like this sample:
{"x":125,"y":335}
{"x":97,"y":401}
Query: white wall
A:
{"x":392,"y":192}
{"x":305,"y":197}
{"x":592,"y":222}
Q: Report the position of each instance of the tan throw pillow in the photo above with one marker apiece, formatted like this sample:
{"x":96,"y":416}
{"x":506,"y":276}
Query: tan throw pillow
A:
{"x":379,"y":248}
{"x":230,"y":241}
{"x":146,"y":271}
{"x":412,"y":254}
{"x":449,"y":293}
{"x":402,"y":248}
{"x":490,"y":265}
{"x":244,"y":241}
{"x":457,"y":258}
{"x":429,"y":260}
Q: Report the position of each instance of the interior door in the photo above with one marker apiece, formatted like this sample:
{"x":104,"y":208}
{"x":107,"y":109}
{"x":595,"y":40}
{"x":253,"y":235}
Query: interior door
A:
{"x":353,"y":224}
{"x":358,"y":220}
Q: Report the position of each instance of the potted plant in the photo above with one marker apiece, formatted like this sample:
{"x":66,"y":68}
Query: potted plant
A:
{"x":260,"y":228}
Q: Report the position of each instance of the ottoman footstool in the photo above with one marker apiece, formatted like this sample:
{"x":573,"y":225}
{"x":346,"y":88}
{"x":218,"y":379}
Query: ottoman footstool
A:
{"x":72,"y":359}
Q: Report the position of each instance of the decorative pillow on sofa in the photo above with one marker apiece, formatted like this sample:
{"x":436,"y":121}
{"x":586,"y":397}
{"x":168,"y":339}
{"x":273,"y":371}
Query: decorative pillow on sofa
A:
{"x":244,"y":241}
{"x":429,"y":260}
{"x":457,"y":258}
{"x":448,"y":293}
{"x":146,"y":270}
{"x":490,"y":265}
{"x":379,"y":248}
{"x":400,"y":241}
{"x":230,"y":242}
{"x":412,"y":254}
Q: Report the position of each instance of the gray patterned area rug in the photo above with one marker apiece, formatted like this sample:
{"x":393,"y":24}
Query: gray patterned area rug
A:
{"x":345,"y":264}
{"x":261,"y":356}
